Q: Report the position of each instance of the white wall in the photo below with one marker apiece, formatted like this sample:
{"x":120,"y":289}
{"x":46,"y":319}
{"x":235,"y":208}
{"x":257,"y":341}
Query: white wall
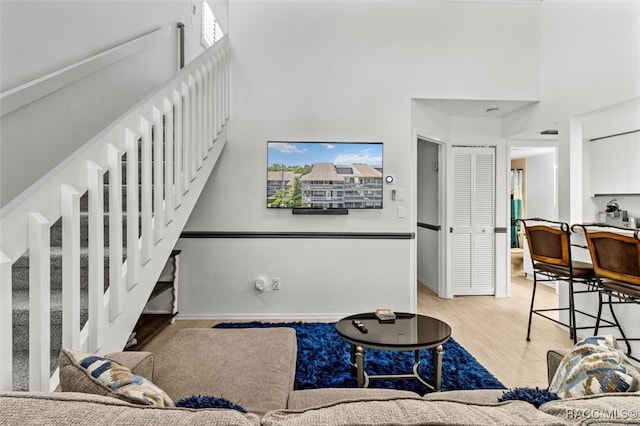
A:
{"x":40,"y":37}
{"x":342,"y":71}
{"x":320,"y":278}
{"x":541,"y":186}
{"x":589,"y":60}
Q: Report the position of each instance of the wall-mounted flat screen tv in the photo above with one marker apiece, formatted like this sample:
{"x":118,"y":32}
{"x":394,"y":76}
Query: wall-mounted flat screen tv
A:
{"x":324,"y":175}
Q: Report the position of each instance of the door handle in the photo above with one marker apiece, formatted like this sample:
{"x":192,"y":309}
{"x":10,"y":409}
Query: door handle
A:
{"x":451,"y":230}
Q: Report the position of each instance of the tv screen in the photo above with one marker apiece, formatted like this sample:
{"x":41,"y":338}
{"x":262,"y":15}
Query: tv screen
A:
{"x":324,"y":175}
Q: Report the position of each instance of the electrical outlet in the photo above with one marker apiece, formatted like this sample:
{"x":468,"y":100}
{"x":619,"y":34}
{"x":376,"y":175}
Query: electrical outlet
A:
{"x":260,"y":284}
{"x":275,"y":283}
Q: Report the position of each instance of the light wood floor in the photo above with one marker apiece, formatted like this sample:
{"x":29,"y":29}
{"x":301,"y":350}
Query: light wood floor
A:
{"x":492,"y":330}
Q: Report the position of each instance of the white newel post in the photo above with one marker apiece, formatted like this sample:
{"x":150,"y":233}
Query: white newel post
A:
{"x":6,"y":326}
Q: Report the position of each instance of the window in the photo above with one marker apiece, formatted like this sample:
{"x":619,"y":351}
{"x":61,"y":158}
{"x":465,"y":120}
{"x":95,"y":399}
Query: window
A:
{"x":211,"y":31}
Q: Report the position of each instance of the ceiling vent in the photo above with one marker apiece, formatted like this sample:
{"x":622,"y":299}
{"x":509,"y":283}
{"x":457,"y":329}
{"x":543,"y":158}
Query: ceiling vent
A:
{"x":549,"y":132}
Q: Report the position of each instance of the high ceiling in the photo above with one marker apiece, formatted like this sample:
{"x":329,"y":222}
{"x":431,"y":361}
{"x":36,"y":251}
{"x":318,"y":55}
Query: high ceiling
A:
{"x":476,"y":108}
{"x":614,"y":119}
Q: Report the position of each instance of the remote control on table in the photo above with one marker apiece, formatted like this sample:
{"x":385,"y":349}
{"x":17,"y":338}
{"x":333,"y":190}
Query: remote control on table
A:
{"x":360,"y":326}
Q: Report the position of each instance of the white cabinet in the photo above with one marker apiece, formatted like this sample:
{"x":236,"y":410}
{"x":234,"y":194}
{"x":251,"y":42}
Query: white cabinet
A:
{"x":633,"y":159}
{"x":614,"y":165}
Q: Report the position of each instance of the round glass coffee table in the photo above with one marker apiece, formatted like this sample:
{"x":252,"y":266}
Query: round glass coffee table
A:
{"x":407,"y":332}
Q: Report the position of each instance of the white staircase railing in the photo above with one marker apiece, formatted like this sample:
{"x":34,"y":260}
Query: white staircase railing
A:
{"x":168,"y":145}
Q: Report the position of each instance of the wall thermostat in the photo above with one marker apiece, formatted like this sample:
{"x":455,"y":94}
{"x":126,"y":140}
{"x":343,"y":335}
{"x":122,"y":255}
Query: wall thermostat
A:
{"x":388,"y":179}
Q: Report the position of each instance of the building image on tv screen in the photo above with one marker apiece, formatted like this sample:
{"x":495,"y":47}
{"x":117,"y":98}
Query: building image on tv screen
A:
{"x":324,"y":175}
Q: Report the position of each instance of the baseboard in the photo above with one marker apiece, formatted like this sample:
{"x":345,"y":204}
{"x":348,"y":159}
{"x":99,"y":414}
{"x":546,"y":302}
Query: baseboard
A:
{"x":428,"y":285}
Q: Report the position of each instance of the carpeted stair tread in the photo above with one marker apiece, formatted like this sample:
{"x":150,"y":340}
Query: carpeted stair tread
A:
{"x":21,"y":368}
{"x":20,"y":312}
{"x":84,"y":201}
{"x":20,"y":316}
{"x":21,"y":305}
{"x":21,"y":269}
{"x":20,"y":358}
{"x":20,"y":278}
{"x":56,"y":230}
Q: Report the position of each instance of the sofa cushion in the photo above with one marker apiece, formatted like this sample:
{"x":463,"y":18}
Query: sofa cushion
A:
{"x":595,"y":365}
{"x":411,"y":412}
{"x":88,"y":373}
{"x":254,"y":368}
{"x":478,"y":396}
{"x":307,"y":398}
{"x":71,"y":408}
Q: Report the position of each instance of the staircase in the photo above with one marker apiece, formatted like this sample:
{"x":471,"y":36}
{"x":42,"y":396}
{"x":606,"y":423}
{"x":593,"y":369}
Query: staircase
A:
{"x":81,"y":250}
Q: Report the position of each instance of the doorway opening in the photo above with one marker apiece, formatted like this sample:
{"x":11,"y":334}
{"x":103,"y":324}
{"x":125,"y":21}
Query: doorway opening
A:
{"x":430,"y":244}
{"x":532,"y":193}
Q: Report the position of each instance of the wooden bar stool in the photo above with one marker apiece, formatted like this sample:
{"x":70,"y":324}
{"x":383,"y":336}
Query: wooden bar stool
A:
{"x":615,"y":253}
{"x":550,"y":248}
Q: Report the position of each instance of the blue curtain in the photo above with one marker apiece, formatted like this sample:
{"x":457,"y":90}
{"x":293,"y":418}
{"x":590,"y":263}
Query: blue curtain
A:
{"x":516,"y":205}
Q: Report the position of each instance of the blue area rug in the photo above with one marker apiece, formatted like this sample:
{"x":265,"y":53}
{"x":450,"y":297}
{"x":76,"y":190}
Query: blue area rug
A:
{"x":323,"y":362}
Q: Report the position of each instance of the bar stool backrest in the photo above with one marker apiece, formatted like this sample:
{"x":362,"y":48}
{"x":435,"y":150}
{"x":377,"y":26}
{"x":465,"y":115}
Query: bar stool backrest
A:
{"x":615,"y":256}
{"x":549,"y":244}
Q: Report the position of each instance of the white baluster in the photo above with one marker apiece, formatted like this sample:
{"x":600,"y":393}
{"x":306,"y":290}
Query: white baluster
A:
{"x":95,"y":186}
{"x":133,"y":262}
{"x":39,"y":302}
{"x":158,"y":175}
{"x":201,"y":151}
{"x":192,"y":140}
{"x":211,"y":135}
{"x":206,"y":113}
{"x":116,"y":284}
{"x":217,"y":94}
{"x":223,"y":81}
{"x":70,"y":209}
{"x":6,"y":324}
{"x":169,"y":200}
{"x":186,"y":137}
{"x":145,"y":186}
{"x":178,"y":178}
{"x":225,"y":66}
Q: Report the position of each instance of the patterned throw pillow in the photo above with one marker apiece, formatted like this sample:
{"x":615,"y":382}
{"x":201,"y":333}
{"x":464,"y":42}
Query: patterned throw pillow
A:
{"x":595,"y":365}
{"x":88,"y":373}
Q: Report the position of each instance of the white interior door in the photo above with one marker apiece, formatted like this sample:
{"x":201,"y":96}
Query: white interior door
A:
{"x":473,"y":221}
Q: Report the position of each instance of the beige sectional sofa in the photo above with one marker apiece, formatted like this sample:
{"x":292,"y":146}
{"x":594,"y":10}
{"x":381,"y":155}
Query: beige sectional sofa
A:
{"x":255,"y":369}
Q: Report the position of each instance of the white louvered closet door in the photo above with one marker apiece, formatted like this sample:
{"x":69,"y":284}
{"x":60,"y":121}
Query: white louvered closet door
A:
{"x":473,"y":221}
